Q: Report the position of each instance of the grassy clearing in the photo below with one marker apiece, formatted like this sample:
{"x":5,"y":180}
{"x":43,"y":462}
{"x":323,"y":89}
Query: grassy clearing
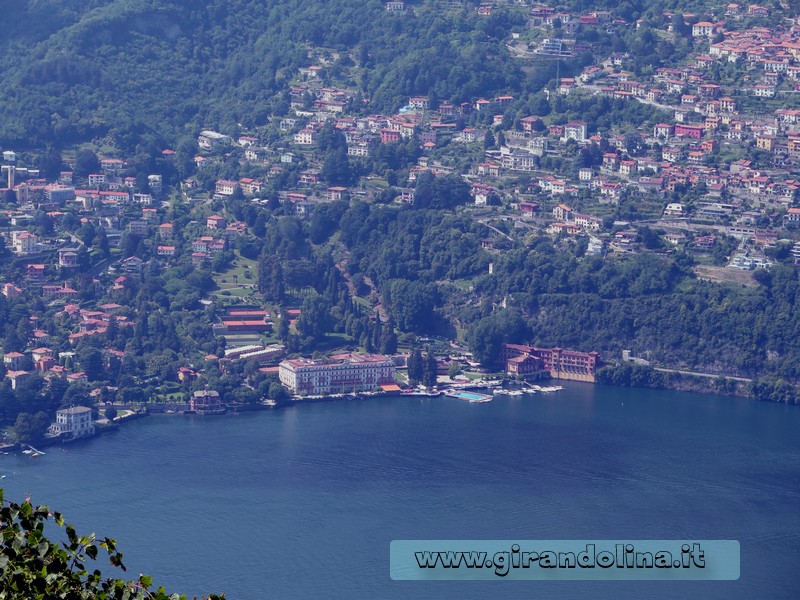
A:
{"x":376,"y":183}
{"x":234,"y":341}
{"x":334,"y":341}
{"x":725,"y":275}
{"x":362,"y":301}
{"x":239,"y":280}
{"x":462,"y":284}
{"x":235,"y":292}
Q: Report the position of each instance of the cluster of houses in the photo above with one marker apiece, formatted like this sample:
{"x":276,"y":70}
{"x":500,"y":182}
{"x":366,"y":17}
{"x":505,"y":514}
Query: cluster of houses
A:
{"x":706,"y":120}
{"x":110,"y":187}
{"x":38,"y":357}
{"x":49,"y":265}
{"x":678,"y":154}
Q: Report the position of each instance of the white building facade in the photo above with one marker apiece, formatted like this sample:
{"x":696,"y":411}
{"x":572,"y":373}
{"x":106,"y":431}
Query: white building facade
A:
{"x":336,"y":375}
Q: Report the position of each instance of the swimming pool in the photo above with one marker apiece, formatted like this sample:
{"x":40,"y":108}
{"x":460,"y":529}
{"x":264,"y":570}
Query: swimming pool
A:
{"x":468,"y":396}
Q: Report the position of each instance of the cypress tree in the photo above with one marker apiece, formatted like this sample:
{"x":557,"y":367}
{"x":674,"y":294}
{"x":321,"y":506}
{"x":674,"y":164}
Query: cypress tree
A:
{"x":415,"y":366}
{"x":429,"y":370}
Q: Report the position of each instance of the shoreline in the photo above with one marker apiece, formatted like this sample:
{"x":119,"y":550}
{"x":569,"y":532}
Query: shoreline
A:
{"x":648,"y":377}
{"x":680,"y":382}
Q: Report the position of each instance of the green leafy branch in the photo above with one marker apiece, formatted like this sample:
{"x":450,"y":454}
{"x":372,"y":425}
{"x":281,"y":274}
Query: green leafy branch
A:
{"x":32,"y":567}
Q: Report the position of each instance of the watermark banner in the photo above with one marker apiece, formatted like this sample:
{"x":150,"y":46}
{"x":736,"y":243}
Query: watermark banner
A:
{"x":576,"y":560}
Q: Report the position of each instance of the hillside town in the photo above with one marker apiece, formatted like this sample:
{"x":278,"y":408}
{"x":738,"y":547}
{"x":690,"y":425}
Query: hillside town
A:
{"x":709,"y":167}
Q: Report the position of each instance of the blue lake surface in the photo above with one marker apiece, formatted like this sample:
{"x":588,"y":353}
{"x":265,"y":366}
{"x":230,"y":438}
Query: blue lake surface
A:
{"x":303,"y":502}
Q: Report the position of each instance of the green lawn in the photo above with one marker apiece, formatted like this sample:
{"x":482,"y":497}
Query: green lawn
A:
{"x":242,"y":339}
{"x":376,"y":183}
{"x":234,"y":280}
{"x":472,"y":376}
{"x":334,"y":341}
{"x":235,"y":292}
{"x":362,"y":301}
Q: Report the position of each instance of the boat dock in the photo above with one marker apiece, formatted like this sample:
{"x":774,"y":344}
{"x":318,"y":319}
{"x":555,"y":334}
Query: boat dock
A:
{"x":33,"y":451}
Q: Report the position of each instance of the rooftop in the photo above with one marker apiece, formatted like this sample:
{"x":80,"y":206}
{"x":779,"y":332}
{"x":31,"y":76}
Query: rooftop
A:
{"x":74,"y":410}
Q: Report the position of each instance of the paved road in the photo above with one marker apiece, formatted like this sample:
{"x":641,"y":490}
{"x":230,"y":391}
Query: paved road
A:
{"x":706,"y":375}
{"x":595,"y":89}
{"x":496,"y":230}
{"x":102,"y":265}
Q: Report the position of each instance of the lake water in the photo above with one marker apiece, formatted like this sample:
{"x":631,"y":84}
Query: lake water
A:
{"x":302,"y":502}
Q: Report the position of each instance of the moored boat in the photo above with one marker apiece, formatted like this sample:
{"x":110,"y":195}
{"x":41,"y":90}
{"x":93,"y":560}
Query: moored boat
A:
{"x":426,"y":393}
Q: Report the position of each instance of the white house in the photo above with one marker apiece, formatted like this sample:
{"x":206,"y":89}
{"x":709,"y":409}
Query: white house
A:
{"x":674,"y":209}
{"x":24,"y":242}
{"x":305,"y":137}
{"x":574,"y":131}
{"x":211,"y":140}
{"x":764,"y":91}
{"x":73,"y":422}
{"x":703,"y":29}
